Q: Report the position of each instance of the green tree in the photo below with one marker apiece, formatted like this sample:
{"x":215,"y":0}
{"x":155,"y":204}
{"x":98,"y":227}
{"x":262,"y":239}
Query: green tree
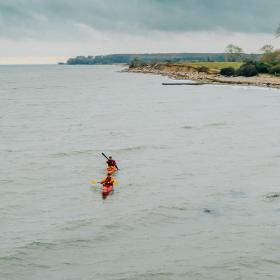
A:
{"x":267,"y":49}
{"x":233,"y":53}
{"x":247,"y":70}
{"x":227,"y":71}
{"x":272,"y":58}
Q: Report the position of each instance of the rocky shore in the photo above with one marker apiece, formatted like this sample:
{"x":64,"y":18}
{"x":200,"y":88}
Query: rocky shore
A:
{"x":184,"y":72}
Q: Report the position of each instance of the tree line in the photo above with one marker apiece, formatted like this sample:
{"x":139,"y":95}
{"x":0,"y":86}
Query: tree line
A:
{"x":268,"y":62}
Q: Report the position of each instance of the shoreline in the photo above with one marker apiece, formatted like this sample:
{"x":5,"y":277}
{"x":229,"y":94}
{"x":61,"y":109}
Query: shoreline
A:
{"x":190,"y":73}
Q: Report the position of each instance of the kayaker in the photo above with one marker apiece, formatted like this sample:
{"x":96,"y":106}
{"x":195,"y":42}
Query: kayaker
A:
{"x":108,"y":181}
{"x":112,"y":163}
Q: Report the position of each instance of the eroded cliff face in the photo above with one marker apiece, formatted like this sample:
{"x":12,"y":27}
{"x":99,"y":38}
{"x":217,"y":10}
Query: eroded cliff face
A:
{"x":188,"y":72}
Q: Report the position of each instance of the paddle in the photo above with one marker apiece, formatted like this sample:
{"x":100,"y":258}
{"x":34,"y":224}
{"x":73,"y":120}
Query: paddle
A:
{"x":95,"y":182}
{"x":108,"y":159}
{"x":104,"y":155}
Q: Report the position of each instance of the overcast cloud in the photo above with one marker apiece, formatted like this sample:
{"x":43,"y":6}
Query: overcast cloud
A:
{"x":94,"y":25}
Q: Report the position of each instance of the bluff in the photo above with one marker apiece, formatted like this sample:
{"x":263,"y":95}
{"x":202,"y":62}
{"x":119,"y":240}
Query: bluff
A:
{"x":148,"y":58}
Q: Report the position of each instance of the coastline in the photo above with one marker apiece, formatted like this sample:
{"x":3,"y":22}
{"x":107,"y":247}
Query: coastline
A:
{"x":191,"y":73}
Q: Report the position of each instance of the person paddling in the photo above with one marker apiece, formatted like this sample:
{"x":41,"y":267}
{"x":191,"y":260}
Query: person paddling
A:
{"x":112,"y":163}
{"x":108,"y":181}
{"x":107,"y":185}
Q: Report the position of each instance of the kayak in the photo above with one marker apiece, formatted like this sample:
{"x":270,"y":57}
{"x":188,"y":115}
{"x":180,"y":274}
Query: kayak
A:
{"x":106,"y":190}
{"x":111,"y":170}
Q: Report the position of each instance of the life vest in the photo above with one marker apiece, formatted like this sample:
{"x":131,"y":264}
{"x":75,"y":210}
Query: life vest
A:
{"x":109,"y":181}
{"x":111,"y":162}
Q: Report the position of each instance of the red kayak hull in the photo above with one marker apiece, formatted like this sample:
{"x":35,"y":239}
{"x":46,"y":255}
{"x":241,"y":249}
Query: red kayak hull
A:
{"x":107,"y":189}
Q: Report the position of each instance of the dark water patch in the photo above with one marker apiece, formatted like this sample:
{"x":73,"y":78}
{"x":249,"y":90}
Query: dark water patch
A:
{"x":215,"y":212}
{"x":272,"y":196}
{"x":187,"y":127}
{"x":69,"y":263}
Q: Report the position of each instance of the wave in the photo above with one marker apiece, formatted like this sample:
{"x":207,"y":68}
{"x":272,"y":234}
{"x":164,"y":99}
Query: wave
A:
{"x":11,"y":258}
{"x":176,"y":208}
{"x":149,"y":275}
{"x":6,"y":181}
{"x":113,"y":150}
{"x":77,"y":224}
{"x":90,"y":152}
{"x":215,"y":124}
{"x":41,"y":244}
{"x":127,"y":149}
{"x":137,"y":148}
{"x":74,"y":153}
{"x":20,"y":262}
{"x":218,"y":124}
{"x":104,"y":233}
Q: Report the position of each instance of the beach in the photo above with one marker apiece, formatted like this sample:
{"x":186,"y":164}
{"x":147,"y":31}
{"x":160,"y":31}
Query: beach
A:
{"x":178,"y":72}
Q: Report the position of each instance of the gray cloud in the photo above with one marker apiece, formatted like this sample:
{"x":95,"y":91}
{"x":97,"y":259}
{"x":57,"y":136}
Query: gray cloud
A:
{"x":72,"y":18}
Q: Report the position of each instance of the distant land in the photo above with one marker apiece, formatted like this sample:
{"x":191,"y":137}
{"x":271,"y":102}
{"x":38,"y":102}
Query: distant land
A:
{"x":148,"y":58}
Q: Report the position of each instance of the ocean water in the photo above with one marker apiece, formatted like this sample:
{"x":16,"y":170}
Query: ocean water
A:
{"x":198,"y":186}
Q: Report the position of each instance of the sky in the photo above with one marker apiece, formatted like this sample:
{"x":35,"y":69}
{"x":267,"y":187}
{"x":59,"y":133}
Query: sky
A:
{"x":48,"y":31}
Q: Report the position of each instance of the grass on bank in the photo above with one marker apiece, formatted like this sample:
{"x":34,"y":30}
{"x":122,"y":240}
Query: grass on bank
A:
{"x":213,"y":65}
{"x":182,"y":67}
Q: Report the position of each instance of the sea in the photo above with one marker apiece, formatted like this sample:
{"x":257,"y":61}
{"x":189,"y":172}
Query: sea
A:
{"x":199,"y":181}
